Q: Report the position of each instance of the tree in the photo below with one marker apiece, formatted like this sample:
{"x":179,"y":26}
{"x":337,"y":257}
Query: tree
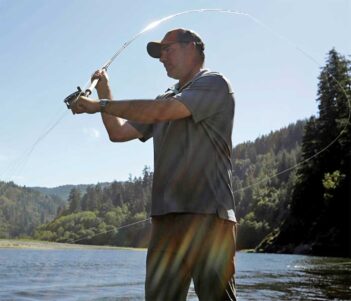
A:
{"x":320,"y":207}
{"x":74,"y":200}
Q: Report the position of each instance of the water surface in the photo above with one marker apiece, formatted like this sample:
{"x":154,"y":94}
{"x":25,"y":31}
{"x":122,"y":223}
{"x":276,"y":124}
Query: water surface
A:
{"x":111,"y":275}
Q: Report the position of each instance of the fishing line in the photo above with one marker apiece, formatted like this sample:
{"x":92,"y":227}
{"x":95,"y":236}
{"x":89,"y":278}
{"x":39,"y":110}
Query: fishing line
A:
{"x":260,"y":23}
{"x":342,"y":132}
{"x":14,"y":169}
{"x":228,"y":11}
{"x":154,"y":24}
{"x":112,"y":230}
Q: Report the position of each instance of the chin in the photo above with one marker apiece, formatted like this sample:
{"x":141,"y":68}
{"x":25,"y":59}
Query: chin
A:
{"x":169,"y":74}
{"x":172,"y":75}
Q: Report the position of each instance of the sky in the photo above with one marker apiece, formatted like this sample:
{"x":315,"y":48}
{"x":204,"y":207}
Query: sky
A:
{"x":48,"y":48}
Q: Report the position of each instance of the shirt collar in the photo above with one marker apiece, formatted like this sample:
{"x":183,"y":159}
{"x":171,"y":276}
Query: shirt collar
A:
{"x":176,"y":89}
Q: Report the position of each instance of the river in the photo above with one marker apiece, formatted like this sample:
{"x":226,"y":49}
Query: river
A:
{"x":111,"y":275}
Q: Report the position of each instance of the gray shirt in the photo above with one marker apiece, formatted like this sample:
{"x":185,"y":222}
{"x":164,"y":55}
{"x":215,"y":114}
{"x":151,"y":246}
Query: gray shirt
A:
{"x":192,"y":156}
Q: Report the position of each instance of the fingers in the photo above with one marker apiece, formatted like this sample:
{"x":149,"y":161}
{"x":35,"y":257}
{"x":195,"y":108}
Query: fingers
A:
{"x":99,"y":74}
{"x":75,"y":107}
{"x":96,"y":75}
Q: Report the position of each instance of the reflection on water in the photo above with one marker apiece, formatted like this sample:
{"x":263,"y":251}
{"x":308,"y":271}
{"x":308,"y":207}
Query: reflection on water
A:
{"x":293,"y":277}
{"x":112,"y":275}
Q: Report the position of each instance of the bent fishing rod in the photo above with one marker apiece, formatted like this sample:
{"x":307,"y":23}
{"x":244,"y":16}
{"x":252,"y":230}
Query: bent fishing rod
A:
{"x":72,"y":98}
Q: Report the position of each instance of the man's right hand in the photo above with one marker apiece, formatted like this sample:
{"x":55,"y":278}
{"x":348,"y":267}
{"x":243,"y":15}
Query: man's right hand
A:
{"x":85,"y":105}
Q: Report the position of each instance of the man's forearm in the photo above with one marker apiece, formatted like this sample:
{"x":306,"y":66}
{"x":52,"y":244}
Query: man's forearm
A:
{"x":104,"y":93}
{"x":144,"y":111}
{"x":111,"y":123}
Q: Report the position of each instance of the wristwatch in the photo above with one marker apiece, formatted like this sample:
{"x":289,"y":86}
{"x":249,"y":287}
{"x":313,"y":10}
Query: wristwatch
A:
{"x":103,"y":103}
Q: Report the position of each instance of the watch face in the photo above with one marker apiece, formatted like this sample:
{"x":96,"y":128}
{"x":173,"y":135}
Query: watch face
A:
{"x":103,"y":104}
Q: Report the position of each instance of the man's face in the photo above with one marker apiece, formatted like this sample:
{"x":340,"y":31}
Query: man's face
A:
{"x":176,"y":57}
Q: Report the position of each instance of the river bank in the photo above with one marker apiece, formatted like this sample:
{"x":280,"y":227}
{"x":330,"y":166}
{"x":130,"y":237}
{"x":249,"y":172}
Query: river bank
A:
{"x":46,"y":245}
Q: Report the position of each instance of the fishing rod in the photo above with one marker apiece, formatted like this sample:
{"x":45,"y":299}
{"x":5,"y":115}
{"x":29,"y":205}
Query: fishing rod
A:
{"x":72,"y":98}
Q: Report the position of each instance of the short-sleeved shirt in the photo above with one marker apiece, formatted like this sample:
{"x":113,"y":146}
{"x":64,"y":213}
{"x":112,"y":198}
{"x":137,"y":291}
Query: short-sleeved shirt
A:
{"x":193,"y":155}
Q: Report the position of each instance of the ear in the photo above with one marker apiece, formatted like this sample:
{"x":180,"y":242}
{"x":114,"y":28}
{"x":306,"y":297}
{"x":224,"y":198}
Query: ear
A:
{"x":191,"y":46}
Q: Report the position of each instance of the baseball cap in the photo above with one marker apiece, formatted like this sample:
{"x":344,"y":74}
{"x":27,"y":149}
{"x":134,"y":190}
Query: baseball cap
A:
{"x":179,"y":35}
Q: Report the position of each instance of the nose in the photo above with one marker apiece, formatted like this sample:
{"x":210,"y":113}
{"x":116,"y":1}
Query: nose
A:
{"x":163,"y":56}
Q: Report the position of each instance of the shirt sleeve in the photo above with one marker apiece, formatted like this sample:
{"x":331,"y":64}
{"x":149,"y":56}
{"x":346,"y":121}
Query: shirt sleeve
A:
{"x":206,"y":96}
{"x":145,"y":129}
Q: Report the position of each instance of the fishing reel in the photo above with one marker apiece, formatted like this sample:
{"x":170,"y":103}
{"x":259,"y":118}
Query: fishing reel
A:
{"x":72,"y":98}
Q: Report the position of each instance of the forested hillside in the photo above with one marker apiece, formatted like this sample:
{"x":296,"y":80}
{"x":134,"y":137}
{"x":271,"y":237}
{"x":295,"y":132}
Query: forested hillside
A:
{"x":319,"y":221}
{"x":93,"y":217}
{"x":263,"y":178}
{"x":292,"y":189}
{"x":23,"y":209}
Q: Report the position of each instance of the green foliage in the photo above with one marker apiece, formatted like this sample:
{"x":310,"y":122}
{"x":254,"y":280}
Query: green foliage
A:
{"x":117,"y":216}
{"x":94,"y":218}
{"x":252,"y":231}
{"x":331,"y":183}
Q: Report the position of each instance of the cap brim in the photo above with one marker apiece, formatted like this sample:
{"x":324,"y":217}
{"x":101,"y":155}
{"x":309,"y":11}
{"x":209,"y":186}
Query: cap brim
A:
{"x":154,"y":49}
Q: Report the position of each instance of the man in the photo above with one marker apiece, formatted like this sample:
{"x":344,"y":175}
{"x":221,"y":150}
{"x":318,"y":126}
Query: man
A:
{"x":193,"y":221}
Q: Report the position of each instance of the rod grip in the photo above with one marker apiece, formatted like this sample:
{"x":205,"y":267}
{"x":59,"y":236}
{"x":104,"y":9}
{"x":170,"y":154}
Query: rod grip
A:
{"x":90,"y":89}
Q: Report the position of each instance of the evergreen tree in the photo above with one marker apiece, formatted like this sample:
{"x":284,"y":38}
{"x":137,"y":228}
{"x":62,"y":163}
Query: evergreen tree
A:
{"x":74,"y":200}
{"x":320,"y":208}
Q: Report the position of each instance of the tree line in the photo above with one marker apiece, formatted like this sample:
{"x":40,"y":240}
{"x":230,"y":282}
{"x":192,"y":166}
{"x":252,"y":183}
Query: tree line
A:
{"x":95,"y":216}
{"x":279,"y":208}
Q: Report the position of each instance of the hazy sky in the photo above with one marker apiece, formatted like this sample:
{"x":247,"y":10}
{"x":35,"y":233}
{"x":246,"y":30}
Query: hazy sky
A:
{"x":47,"y":48}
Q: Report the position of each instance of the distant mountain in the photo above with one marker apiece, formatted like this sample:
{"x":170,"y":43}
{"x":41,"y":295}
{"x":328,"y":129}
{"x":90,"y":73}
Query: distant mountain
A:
{"x":63,"y":191}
